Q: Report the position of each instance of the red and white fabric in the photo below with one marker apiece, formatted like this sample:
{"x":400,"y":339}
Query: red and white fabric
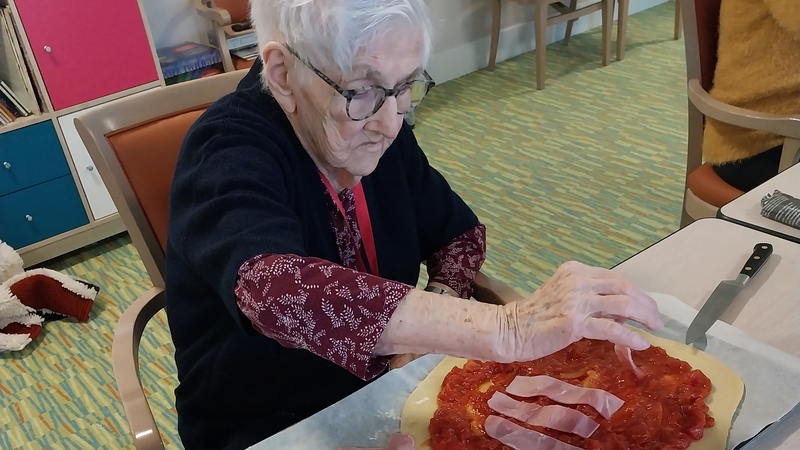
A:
{"x":334,"y":310}
{"x":26,"y":296}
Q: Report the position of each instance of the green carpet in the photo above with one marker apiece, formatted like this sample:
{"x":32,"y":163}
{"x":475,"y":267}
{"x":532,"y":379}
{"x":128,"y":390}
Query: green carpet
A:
{"x":590,"y":168}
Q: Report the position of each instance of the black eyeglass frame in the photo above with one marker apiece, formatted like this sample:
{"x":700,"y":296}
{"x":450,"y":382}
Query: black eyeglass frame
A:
{"x":349,"y":94}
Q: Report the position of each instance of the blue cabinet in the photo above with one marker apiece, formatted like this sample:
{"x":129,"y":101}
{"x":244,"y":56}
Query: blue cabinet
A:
{"x":30,"y":156}
{"x":41,"y":212}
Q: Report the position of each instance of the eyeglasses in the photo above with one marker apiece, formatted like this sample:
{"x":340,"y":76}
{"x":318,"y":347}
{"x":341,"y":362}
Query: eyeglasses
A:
{"x":362,"y":103}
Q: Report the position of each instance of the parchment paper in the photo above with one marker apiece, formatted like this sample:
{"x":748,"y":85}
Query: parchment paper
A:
{"x":367,"y":417}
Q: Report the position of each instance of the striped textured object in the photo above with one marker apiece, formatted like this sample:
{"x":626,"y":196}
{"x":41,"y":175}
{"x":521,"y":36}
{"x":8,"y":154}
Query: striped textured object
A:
{"x":590,"y":168}
{"x":781,"y":208}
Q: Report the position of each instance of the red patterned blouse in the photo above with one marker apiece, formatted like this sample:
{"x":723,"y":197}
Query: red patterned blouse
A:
{"x":333,"y":310}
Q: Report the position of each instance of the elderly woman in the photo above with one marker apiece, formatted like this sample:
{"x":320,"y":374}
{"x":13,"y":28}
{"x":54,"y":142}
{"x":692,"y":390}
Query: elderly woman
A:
{"x":300,"y":212}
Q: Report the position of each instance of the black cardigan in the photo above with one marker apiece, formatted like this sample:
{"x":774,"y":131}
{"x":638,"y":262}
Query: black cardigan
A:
{"x":245,"y":186}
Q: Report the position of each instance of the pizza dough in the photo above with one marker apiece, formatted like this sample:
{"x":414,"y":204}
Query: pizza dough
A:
{"x":727,"y":393}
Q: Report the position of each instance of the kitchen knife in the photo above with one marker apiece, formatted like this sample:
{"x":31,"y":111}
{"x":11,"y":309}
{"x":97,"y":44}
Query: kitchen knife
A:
{"x":725,"y":292}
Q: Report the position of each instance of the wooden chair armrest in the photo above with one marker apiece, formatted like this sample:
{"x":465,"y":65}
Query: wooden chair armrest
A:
{"x":790,"y":155}
{"x":787,"y":126}
{"x":216,"y":15}
{"x":125,"y":361}
{"x":489,"y":290}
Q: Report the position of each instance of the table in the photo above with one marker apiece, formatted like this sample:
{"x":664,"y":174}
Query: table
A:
{"x":691,"y":262}
{"x":688,"y":265}
{"x":746,"y":210}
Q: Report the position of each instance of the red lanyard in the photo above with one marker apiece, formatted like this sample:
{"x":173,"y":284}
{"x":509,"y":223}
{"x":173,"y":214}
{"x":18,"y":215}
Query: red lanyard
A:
{"x":364,"y":224}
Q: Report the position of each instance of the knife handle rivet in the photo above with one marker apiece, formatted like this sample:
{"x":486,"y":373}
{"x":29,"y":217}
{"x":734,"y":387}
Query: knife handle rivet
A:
{"x":764,"y":247}
{"x":748,"y":268}
{"x":756,"y":257}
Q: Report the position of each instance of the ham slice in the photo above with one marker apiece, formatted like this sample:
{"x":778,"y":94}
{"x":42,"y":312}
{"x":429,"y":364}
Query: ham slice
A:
{"x":556,"y":417}
{"x":604,"y":402}
{"x":397,"y":441}
{"x":520,"y":438}
{"x":624,"y":355}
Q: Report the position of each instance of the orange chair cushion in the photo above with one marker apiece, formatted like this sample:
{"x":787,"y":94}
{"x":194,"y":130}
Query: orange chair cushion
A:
{"x":709,"y":187}
{"x":238,"y":9}
{"x":148,"y":153}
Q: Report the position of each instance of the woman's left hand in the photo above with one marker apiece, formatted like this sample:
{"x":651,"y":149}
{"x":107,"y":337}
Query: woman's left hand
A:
{"x":399,"y":361}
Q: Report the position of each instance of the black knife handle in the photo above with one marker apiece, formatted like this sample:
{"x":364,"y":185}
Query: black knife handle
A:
{"x":761,"y":253}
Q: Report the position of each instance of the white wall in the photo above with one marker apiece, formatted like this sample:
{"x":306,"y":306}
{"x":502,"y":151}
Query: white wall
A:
{"x":462,"y":30}
{"x":463,"y":33}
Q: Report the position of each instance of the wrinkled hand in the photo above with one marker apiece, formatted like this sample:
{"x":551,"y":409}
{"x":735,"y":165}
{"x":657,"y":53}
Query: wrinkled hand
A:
{"x":578,"y":302}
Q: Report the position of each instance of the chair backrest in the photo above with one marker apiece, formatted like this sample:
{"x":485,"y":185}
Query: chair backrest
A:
{"x":701,"y":19}
{"x":134,"y":143}
{"x":238,"y":9}
{"x":701,"y":36}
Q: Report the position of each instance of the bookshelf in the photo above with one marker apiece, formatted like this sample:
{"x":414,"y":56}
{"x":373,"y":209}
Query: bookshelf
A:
{"x":24,"y":121}
{"x":18,"y":99}
{"x":60,"y":59}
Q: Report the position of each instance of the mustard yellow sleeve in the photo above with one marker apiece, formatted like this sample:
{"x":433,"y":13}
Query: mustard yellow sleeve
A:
{"x":787,"y":14}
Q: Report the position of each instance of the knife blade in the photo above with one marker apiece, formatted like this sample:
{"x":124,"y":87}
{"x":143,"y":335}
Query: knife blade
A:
{"x":725,"y":292}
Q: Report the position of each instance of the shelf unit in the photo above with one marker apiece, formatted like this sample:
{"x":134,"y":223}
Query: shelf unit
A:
{"x":78,"y":55}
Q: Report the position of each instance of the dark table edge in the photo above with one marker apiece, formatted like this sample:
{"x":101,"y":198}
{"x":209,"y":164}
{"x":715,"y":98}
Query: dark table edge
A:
{"x":721,"y":215}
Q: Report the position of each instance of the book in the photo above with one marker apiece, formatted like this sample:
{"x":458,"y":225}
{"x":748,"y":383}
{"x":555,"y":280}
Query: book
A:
{"x":9,"y":106}
{"x":186,"y":57}
{"x":249,"y":53}
{"x":234,"y":42}
{"x":12,"y":97}
{"x":216,"y":69}
{"x":14,"y":71}
{"x":6,"y":116}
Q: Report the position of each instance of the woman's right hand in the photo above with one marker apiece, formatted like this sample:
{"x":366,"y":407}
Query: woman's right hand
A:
{"x":577,"y":302}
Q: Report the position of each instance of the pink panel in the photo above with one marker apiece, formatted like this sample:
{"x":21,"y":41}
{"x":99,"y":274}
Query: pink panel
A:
{"x":96,"y":47}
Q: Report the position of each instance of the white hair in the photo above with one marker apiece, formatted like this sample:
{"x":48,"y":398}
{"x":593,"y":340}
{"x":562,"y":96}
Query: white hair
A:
{"x":331,"y":33}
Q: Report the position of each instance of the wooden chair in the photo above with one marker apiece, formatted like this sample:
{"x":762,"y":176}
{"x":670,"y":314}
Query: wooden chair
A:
{"x":224,"y":14}
{"x":134,"y":143}
{"x":705,"y":191}
{"x":567,"y":14}
{"x":622,"y":26}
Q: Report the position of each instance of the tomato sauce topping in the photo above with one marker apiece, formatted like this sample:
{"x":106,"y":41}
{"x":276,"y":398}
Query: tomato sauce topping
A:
{"x":663,"y":410}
